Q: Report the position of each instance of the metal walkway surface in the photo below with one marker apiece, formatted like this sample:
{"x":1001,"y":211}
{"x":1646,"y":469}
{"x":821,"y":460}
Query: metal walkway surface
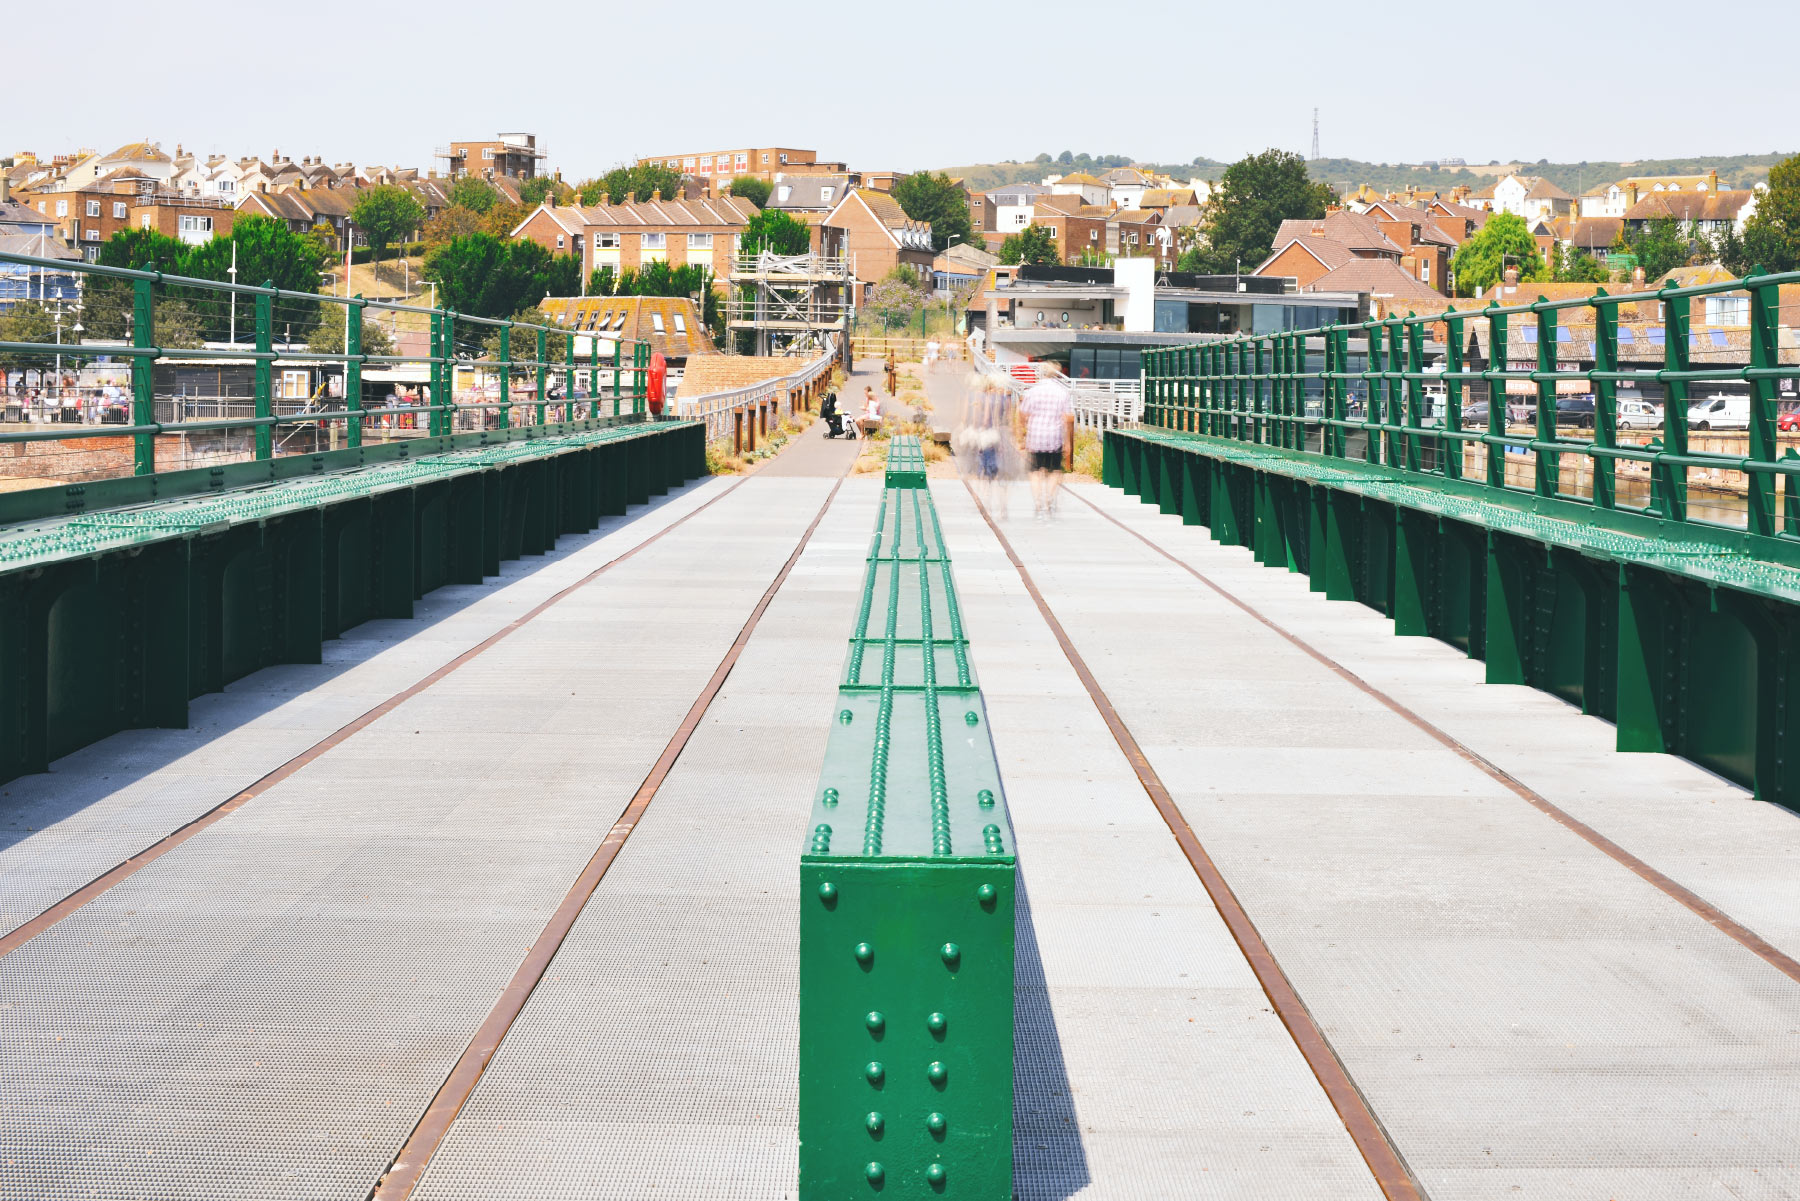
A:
{"x":1505,"y":975}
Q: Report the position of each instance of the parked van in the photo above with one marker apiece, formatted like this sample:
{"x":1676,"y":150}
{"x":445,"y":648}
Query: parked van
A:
{"x":1720,"y":412}
{"x":1637,"y":414}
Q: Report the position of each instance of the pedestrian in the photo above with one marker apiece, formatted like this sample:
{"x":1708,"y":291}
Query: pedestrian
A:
{"x":893,"y":375}
{"x":871,"y":414}
{"x":1048,"y":415}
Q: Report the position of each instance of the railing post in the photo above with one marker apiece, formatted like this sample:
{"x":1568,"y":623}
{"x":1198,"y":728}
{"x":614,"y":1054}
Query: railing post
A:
{"x":264,"y":436}
{"x":640,"y":377}
{"x":1375,"y":358}
{"x":1453,"y":394}
{"x":1606,"y":410}
{"x":568,"y":408}
{"x":1670,"y":479}
{"x":593,"y":377}
{"x":618,"y":380}
{"x":1396,"y":394}
{"x":143,"y":375}
{"x":449,"y":371}
{"x":1497,"y":394}
{"x":1765,"y":354}
{"x":543,"y":372}
{"x":1414,"y":384}
{"x":353,"y":367}
{"x":505,"y":419}
{"x":1548,"y":463}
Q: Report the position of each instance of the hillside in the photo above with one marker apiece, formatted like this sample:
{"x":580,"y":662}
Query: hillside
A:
{"x":1739,"y":171}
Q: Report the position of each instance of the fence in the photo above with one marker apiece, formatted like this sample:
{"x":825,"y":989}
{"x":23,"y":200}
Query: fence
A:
{"x":878,"y":346}
{"x":1576,"y":370}
{"x":756,"y":408}
{"x":150,"y":331}
{"x":1099,"y":404}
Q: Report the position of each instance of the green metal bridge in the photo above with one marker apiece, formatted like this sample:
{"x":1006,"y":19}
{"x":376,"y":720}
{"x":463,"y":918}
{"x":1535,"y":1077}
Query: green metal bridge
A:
{"x":465,"y":795}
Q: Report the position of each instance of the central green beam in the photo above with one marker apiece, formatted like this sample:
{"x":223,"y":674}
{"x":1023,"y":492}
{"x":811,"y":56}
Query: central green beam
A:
{"x":907,"y":890}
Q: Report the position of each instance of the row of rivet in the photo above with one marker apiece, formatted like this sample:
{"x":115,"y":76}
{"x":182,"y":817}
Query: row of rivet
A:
{"x":876,"y":1173}
{"x":934,"y":732}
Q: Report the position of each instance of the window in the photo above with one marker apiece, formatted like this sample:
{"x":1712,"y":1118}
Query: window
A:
{"x":487,"y":152}
{"x":62,"y":208}
{"x":656,"y":322}
{"x":680,"y":324}
{"x":1425,"y":270}
{"x":144,"y":220}
{"x":687,"y":164}
{"x":705,"y":161}
{"x":119,"y":210}
{"x":699,"y":241}
{"x":606,"y":241}
{"x":654,"y":241}
{"x":1093,"y":234}
{"x":559,"y":241}
{"x":293,"y":385}
{"x":40,"y":206}
{"x":1728,"y":310}
{"x":743,"y":159}
{"x":783,"y":193}
{"x":93,"y":208}
{"x":90,"y":235}
{"x":91,"y":254}
{"x":825,"y":195}
{"x":766,"y":158}
{"x":783,"y":158}
{"x":192,"y":224}
{"x":228,"y":185}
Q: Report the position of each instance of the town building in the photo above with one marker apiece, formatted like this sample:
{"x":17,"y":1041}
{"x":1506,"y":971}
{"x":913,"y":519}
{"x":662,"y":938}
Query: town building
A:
{"x":1081,"y":184}
{"x":797,"y":193}
{"x":1709,"y":213}
{"x":879,"y":236}
{"x":1616,"y":198}
{"x":1527,"y":196}
{"x":763,"y":162}
{"x":1126,"y":186}
{"x":85,"y":217}
{"x":1076,"y":227}
{"x":1014,"y":207}
{"x":670,"y":324}
{"x":627,"y":236}
{"x":510,"y":155}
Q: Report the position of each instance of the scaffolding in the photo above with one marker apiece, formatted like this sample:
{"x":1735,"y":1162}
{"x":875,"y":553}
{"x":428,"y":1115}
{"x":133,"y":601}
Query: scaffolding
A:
{"x":791,"y":303}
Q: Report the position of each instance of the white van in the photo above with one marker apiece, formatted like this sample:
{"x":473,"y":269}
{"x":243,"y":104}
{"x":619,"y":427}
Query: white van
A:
{"x":1720,"y":412}
{"x":1637,"y":414}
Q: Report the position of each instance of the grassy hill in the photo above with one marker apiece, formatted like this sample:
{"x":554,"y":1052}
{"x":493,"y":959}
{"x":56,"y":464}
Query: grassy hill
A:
{"x":1738,"y":171}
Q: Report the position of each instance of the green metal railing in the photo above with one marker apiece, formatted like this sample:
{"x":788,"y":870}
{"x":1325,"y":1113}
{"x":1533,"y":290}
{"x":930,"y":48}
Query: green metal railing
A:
{"x":457,"y":341}
{"x":1295,"y":391}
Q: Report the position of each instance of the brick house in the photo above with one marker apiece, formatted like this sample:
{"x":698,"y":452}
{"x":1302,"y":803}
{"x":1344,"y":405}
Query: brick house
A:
{"x":760,"y":161}
{"x":1074,"y":225}
{"x":1138,"y":233}
{"x":509,"y":156}
{"x":879,"y":236}
{"x":669,"y":323}
{"x":626,"y":236}
{"x":86,"y":216}
{"x":1426,"y":249}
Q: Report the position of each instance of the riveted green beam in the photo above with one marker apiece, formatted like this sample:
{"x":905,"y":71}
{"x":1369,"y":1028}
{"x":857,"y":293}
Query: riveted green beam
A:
{"x":907,"y":888}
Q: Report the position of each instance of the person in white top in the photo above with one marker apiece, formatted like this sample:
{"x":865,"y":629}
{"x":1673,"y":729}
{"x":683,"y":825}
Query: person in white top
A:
{"x":1047,"y":413}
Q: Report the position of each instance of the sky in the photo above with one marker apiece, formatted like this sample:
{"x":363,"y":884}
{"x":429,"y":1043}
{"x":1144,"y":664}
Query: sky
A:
{"x":924,"y":83}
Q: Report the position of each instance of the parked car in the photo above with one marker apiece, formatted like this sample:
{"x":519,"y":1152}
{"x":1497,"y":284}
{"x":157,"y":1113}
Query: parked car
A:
{"x":1788,"y":421}
{"x":1475,"y":416}
{"x":1720,"y":412}
{"x":1634,"y":414}
{"x":1577,"y":411}
{"x":1521,"y":412}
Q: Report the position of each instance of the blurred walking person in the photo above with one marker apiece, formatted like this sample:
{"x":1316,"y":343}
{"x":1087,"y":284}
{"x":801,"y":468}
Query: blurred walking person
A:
{"x":1047,"y":413}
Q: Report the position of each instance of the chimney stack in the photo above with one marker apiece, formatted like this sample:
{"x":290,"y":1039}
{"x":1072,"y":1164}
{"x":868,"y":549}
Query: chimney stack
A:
{"x":1512,"y":277}
{"x":631,"y":198}
{"x":656,"y":196}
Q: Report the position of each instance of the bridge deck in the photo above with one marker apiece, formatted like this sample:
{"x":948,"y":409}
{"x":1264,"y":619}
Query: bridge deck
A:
{"x":270,"y":1007}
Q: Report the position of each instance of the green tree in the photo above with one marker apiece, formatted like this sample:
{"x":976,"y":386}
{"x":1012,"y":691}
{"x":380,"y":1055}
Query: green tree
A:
{"x":180,"y":324}
{"x":603,"y":281}
{"x":640,"y":181}
{"x":385,"y":215}
{"x":1574,"y":265}
{"x":453,"y":222}
{"x":1033,"y":244}
{"x":268,"y":252}
{"x":752,"y":188}
{"x":894,"y":300}
{"x":1193,"y":259}
{"x":485,"y":276}
{"x":1661,"y":246}
{"x":524,"y":344}
{"x":1255,"y":196}
{"x":1479,"y":262}
{"x":535,"y":191}
{"x":27,"y":321}
{"x":777,"y":232}
{"x":934,"y":199}
{"x":1771,"y":236}
{"x":475,"y":194}
{"x":327,"y":336}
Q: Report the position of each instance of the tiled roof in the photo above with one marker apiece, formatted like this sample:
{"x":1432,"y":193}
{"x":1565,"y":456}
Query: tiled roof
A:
{"x":723,"y":212}
{"x":1690,"y":206}
{"x":1543,"y":189}
{"x":142,"y":152}
{"x":887,"y":210}
{"x":1166,"y":197}
{"x":1358,"y":231}
{"x":1079,"y":177}
{"x":1591,"y":233}
{"x":707,"y":373}
{"x":1331,"y":255}
{"x":634,"y":317}
{"x":1180,"y":216}
{"x":1378,"y":277}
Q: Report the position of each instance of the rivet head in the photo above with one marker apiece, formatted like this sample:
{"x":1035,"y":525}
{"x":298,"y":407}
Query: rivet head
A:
{"x":875,"y":1021}
{"x":875,"y":1173}
{"x":865,"y":953}
{"x":985,"y":798}
{"x":937,"y":1023}
{"x":985,"y":894}
{"x":972,"y":718}
{"x":935,"y":1173}
{"x":951,"y":952}
{"x":936,"y":1123}
{"x":846,"y":717}
{"x":874,"y":1071}
{"x":828,"y":892}
{"x":938,"y":1072}
{"x":831,"y":797}
{"x":874,"y":1122}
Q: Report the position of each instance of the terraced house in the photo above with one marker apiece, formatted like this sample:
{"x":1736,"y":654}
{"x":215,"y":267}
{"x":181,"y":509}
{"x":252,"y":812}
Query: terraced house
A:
{"x":627,"y":236}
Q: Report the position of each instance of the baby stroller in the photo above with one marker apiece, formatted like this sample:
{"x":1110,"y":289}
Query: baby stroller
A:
{"x":834,"y":421}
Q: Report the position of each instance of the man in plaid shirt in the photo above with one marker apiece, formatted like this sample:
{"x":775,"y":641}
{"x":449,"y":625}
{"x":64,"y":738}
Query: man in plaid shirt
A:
{"x":1048,"y":414}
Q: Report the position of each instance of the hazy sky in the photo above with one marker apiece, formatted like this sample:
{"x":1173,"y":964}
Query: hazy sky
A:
{"x":914,"y":84}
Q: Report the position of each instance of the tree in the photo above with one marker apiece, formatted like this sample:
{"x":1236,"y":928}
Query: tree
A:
{"x":476,"y":195}
{"x":751,"y":188}
{"x":1771,"y":236}
{"x":1255,"y":196}
{"x":485,"y":276}
{"x":1478,"y":262}
{"x":603,"y":281}
{"x":1193,"y":259}
{"x":107,"y":302}
{"x":453,"y":222}
{"x":534,"y":192}
{"x":385,"y":215}
{"x":894,"y":300}
{"x":934,"y":199}
{"x":776,"y":232}
{"x":1066,"y":159}
{"x":1661,"y":245}
{"x":1574,"y":265}
{"x":179,"y":325}
{"x":1033,"y":244}
{"x":268,"y":252}
{"x":640,"y":181}
{"x":26,"y":321}
{"x":503,"y":218}
{"x":327,"y":337}
{"x":523,"y":343}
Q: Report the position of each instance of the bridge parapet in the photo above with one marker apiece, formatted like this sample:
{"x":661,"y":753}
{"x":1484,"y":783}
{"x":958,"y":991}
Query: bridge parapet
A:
{"x":907,"y":894}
